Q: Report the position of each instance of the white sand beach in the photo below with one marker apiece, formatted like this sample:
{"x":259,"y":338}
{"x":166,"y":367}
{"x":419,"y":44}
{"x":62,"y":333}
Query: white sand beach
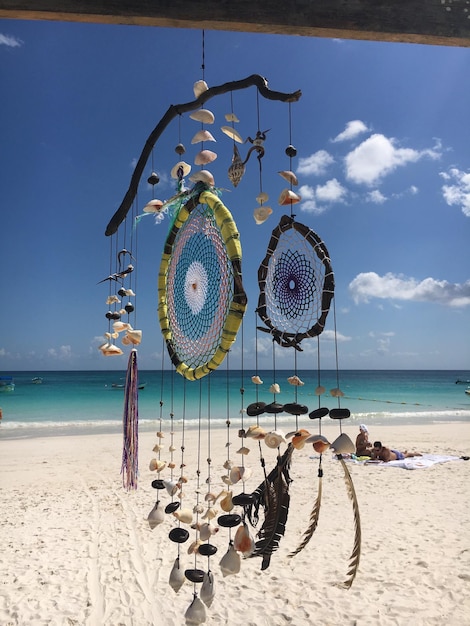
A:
{"x":77,"y":548}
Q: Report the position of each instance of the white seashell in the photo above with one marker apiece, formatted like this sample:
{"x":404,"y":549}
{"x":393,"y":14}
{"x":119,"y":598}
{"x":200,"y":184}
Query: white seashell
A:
{"x":171,"y":448}
{"x":177,"y":576}
{"x":295,"y":380}
{"x":343,"y":445}
{"x":185,"y":516}
{"x":289,"y":176}
{"x":134,"y":336}
{"x":243,"y":450}
{"x":154,"y":206}
{"x":255,"y":432}
{"x":208,"y":589}
{"x":336,"y":393}
{"x":228,"y":464}
{"x":119,"y":327}
{"x":202,"y":135}
{"x":160,"y":435}
{"x":194,"y":546}
{"x":257,"y":380}
{"x":126,"y":341}
{"x":156,"y":515}
{"x":319,"y":390}
{"x":262,"y":197}
{"x":275,"y":388}
{"x":204,"y":157}
{"x":274,"y":439}
{"x":184,"y":166}
{"x":198,"y":509}
{"x":243,"y":541}
{"x":203,"y":176}
{"x":211,"y":513}
{"x":226,"y":480}
{"x":261,"y":214}
{"x":203,"y":115}
{"x":231,"y":117}
{"x":288,"y":197}
{"x":207,"y":530}
{"x":157,"y":447}
{"x":226,"y":503}
{"x":239,"y":473}
{"x":171,"y":486}
{"x":199,"y":87}
{"x":109,"y":349}
{"x":112,"y":300}
{"x":210,"y":497}
{"x":195,"y":613}
{"x":232,"y":133}
{"x":230,"y":562}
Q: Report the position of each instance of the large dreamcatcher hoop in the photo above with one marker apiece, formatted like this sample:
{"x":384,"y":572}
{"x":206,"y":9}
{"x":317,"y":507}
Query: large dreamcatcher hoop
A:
{"x":296,"y":284}
{"x":200,"y":291}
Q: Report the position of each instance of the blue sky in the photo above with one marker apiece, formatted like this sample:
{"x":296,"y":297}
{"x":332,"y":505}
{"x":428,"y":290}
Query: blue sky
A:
{"x":383,"y":164}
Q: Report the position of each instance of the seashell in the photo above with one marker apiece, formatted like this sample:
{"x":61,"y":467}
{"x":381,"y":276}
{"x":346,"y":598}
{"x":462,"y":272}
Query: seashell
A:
{"x":185,"y":167}
{"x":257,"y":380}
{"x":320,"y":390}
{"x":171,"y":448}
{"x":210,"y":513}
{"x":160,"y":434}
{"x":203,"y":176}
{"x":226,"y":502}
{"x":228,"y":464}
{"x":198,"y":509}
{"x":254,"y":409}
{"x":178,"y":535}
{"x":185,"y":516}
{"x":295,"y":381}
{"x":120,"y":327}
{"x":239,"y":473}
{"x":194,"y":546}
{"x":199,"y":87}
{"x":204,"y":157}
{"x":207,"y":549}
{"x":262,"y":197}
{"x":207,"y":530}
{"x":336,"y":393}
{"x":319,"y":442}
{"x":210,"y":497}
{"x":289,"y":176}
{"x":275,"y":388}
{"x":288,"y":197}
{"x":171,"y":486}
{"x":230,"y":562}
{"x":299,"y":438}
{"x":157,"y":447}
{"x":110,"y":349}
{"x":112,"y":300}
{"x":243,"y":450}
{"x":261,"y":214}
{"x":243,"y":541}
{"x":194,"y":575}
{"x":134,"y":336}
{"x":156,"y":515}
{"x":319,"y":413}
{"x":154,"y":206}
{"x":196,"y":611}
{"x":232,"y":133}
{"x":171,"y":507}
{"x":231,"y":117}
{"x":343,"y":445}
{"x":237,"y":169}
{"x":274,"y":439}
{"x":255,"y":432}
{"x":202,"y":135}
{"x":156,"y":465}
{"x":203,"y":115}
{"x":177,"y":577}
{"x":207,"y":590}
{"x":226,"y":480}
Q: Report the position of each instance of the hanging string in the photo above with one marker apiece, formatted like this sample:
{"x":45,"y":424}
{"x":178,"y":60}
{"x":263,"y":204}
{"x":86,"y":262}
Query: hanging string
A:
{"x":290,"y":154}
{"x":203,"y":66}
{"x":337,"y":360}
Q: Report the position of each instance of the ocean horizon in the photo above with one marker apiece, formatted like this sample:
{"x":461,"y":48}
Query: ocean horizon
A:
{"x":85,"y":402}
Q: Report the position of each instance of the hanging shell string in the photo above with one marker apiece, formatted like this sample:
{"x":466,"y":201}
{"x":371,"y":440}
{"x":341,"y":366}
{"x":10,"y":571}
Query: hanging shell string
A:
{"x":337,"y":392}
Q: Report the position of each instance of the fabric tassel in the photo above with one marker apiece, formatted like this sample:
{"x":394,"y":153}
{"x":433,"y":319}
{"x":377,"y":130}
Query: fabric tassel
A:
{"x":130,"y":452}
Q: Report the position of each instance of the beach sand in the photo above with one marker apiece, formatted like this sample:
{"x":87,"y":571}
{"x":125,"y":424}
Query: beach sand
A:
{"x":77,"y":548}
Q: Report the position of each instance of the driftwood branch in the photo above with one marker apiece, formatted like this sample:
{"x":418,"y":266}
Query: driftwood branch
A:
{"x":178,"y":109}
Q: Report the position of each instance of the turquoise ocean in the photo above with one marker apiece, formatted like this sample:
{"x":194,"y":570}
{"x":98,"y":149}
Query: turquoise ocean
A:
{"x":84,"y":402}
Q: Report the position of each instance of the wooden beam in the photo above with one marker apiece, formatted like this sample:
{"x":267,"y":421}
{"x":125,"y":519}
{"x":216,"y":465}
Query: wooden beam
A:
{"x":434,"y":22}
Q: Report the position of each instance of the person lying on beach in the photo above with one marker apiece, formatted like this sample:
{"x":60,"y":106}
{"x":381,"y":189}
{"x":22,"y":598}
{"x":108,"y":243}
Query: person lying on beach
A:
{"x":382,"y":453}
{"x":363,"y":445}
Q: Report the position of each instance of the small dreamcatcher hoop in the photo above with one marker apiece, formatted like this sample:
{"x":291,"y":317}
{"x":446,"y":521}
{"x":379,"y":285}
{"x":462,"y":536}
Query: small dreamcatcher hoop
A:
{"x":296,"y":284}
{"x":200,"y":292}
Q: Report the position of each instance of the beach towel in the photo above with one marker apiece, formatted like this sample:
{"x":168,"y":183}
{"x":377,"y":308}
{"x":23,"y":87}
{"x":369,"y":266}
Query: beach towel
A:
{"x":417,"y":462}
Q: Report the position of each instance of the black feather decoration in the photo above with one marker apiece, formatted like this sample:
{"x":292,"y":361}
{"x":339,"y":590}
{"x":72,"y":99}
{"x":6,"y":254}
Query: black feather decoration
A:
{"x":276,"y":508}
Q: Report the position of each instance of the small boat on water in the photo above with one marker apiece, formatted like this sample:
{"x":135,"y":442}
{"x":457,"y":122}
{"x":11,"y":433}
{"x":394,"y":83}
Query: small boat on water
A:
{"x":122,"y":386}
{"x":467,"y":391}
{"x":462,"y":382}
{"x":37,"y":380}
{"x":6,"y":384}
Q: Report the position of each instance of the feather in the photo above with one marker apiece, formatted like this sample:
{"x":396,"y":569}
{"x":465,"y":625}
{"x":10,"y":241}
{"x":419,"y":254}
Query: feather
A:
{"x":314,"y":516}
{"x":276,"y":507}
{"x":356,"y":553}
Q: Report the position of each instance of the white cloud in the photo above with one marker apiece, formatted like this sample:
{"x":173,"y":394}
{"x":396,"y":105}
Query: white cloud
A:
{"x":457,"y":193}
{"x":331,"y":191}
{"x":316,"y":164}
{"x":352,"y":130}
{"x":63,"y":353}
{"x":11,"y":42}
{"x":378,"y":156}
{"x":370,"y":285}
{"x":309,"y":204}
{"x":330,"y":335}
{"x":376,"y":197}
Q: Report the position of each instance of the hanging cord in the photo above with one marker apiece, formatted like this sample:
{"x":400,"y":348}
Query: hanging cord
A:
{"x":290,"y":153}
{"x":318,"y":380}
{"x":337,"y":361}
{"x":203,"y":65}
